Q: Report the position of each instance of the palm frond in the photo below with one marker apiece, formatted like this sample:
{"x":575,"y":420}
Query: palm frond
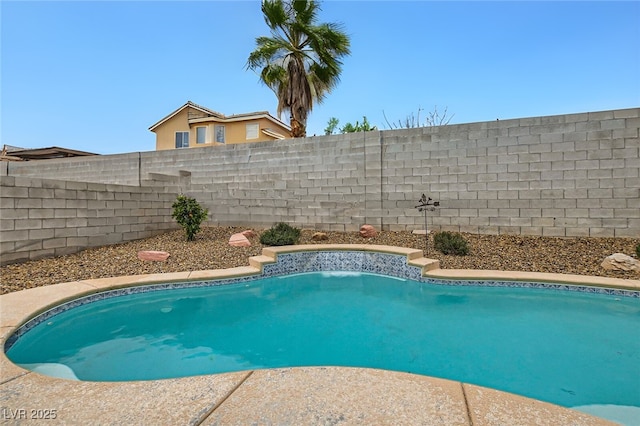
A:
{"x":306,"y":11}
{"x":275,"y":14}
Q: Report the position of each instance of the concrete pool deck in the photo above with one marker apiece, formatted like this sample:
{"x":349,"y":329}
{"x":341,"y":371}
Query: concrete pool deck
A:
{"x":306,"y":395}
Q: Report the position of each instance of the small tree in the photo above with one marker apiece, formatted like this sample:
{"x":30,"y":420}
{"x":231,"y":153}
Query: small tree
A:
{"x":365,"y":126}
{"x":332,"y":125}
{"x":189,"y":214}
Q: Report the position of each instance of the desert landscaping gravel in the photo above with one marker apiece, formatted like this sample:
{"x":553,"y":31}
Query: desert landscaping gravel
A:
{"x":211,"y":250}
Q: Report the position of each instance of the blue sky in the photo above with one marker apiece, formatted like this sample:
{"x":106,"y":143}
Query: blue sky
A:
{"x":94,"y":75}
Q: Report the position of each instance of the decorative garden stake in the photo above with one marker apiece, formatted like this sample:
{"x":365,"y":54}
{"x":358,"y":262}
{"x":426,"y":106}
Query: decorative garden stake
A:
{"x":425,"y":204}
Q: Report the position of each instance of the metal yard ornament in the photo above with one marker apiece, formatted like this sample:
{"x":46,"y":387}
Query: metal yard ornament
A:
{"x":426,"y":203}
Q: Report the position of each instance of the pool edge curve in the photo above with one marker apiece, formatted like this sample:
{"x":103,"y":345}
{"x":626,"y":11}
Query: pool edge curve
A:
{"x":481,"y":404}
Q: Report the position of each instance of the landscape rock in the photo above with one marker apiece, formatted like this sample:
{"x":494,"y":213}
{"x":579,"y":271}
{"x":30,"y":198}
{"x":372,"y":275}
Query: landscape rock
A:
{"x":239,"y":240}
{"x":154,"y":256}
{"x":249,"y":233}
{"x":319,"y":236}
{"x":211,"y":250}
{"x":368,"y":231}
{"x":621,"y":262}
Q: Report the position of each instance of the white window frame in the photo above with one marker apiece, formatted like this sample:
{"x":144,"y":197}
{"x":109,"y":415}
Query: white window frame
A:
{"x":198,"y":134}
{"x":219,"y":129}
{"x":252,"y":130}
{"x":182,"y":140}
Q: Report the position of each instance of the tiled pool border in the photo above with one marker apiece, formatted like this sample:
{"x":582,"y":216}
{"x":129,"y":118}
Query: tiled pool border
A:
{"x":304,"y":261}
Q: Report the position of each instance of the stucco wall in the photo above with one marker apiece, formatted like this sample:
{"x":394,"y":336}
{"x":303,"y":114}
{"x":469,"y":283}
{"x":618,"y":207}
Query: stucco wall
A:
{"x":166,"y":133}
{"x":565,"y":175}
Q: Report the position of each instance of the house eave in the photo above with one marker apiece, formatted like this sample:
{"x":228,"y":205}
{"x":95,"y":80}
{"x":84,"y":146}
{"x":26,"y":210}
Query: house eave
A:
{"x":240,"y":118}
{"x":189,"y":104}
{"x":273,"y":134}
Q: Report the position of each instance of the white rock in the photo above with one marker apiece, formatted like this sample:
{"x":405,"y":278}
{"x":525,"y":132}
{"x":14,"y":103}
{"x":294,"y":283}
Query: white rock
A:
{"x":621,"y":262}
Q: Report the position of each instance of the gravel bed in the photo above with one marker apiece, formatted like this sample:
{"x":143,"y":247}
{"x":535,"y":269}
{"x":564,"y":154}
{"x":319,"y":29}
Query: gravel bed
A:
{"x":211,"y":250}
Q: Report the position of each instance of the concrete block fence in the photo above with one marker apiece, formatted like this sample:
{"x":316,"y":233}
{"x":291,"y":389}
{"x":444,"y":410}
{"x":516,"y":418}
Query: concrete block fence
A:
{"x":43,"y":218}
{"x":565,"y":175}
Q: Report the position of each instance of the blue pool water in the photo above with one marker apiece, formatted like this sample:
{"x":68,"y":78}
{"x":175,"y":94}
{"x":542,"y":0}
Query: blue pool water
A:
{"x":568,"y":348}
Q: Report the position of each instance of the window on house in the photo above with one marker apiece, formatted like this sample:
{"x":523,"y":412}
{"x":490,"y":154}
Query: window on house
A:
{"x":201,"y":134}
{"x":220,"y":134}
{"x":252,"y":131}
{"x":182,"y":139}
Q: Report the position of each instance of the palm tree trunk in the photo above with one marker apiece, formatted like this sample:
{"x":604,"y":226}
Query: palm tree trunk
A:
{"x":298,"y":130}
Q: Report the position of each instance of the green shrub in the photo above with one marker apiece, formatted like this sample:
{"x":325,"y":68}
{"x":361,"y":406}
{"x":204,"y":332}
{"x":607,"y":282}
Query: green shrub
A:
{"x":189,"y":214}
{"x":638,"y":251}
{"x":450,"y":243}
{"x":280,"y":235}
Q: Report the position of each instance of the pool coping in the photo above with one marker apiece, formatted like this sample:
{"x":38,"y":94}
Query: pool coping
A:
{"x":304,"y":395}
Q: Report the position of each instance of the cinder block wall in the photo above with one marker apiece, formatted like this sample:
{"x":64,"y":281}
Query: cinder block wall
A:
{"x":564,"y":175}
{"x":315,"y":182}
{"x":567,"y":175}
{"x":43,"y":218}
{"x":121,"y":169}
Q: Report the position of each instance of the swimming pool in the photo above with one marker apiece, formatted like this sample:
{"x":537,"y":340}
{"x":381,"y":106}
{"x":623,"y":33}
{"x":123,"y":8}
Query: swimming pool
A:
{"x":572,"y":349}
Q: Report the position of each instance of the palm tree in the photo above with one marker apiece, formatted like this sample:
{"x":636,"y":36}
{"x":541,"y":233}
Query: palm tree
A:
{"x":301,"y":61}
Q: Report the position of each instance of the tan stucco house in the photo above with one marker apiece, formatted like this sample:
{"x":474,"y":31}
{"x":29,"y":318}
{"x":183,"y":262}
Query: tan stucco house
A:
{"x":193,"y":125}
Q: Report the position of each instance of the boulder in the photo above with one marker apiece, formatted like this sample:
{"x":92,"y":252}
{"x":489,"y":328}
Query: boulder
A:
{"x":239,"y":240}
{"x":249,"y":233}
{"x":154,"y":256}
{"x":368,"y":231}
{"x":319,"y":236}
{"x":621,"y":262}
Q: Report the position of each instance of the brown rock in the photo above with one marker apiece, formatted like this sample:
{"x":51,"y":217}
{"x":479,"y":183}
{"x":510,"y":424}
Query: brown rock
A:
{"x":319,"y":236}
{"x":621,"y":262}
{"x":368,"y":231}
{"x":154,"y":256}
{"x":239,"y":240}
{"x":249,"y":233}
